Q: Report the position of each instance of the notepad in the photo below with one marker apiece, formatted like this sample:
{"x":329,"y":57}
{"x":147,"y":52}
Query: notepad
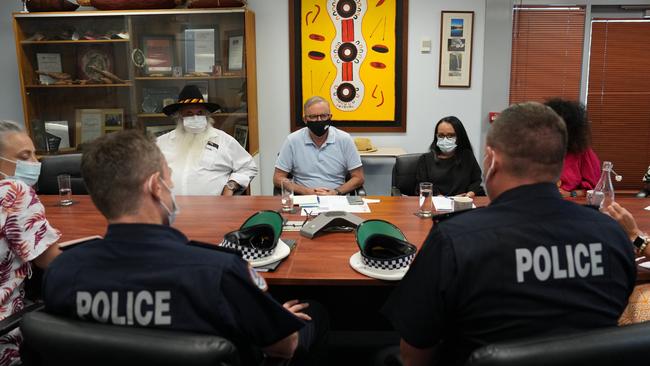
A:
{"x":443,"y":203}
{"x":306,"y":200}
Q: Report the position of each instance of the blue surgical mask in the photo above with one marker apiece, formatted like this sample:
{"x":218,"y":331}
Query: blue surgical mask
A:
{"x":446,"y":144}
{"x":175,"y":210}
{"x":486,"y":175}
{"x":195,"y":124}
{"x":26,"y":171}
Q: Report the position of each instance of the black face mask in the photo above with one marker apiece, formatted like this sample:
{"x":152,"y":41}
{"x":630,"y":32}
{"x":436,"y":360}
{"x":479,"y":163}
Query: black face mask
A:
{"x":319,"y":128}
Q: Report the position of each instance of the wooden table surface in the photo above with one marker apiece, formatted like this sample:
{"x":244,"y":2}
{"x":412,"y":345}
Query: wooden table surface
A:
{"x":319,"y":261}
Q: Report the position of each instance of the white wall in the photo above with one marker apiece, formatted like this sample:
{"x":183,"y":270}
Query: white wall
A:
{"x":10,"y":102}
{"x":426,"y":102}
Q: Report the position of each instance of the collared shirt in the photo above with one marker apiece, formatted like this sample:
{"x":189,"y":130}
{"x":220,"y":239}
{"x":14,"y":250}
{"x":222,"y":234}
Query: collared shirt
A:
{"x":149,"y":276}
{"x":223,"y":159}
{"x":25,"y":234}
{"x":529,"y":264}
{"x":314,"y":167}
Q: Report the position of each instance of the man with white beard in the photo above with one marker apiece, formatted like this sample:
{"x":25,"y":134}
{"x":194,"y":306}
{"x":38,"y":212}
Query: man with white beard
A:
{"x":204,"y":160}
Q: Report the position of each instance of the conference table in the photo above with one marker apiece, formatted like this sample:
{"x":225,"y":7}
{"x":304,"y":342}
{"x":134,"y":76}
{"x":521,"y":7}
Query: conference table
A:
{"x":323,"y":260}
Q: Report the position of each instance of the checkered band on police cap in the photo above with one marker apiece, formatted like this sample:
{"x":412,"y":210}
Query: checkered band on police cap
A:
{"x":389,"y":263}
{"x":248,"y":253}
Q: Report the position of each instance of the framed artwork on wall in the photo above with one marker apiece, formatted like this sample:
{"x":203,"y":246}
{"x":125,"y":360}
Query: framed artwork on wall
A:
{"x":158,"y":54}
{"x":352,"y":53}
{"x":456,"y":32}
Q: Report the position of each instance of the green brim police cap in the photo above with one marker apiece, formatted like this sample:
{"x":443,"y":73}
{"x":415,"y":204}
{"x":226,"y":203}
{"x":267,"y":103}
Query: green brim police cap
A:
{"x":384,"y":246}
{"x":267,"y":217}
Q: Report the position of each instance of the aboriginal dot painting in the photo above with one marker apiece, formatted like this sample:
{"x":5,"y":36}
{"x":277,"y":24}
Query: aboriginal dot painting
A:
{"x":349,"y":52}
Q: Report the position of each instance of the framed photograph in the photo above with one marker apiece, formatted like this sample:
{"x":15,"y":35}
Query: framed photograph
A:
{"x":235,"y":51}
{"x":353,"y":54}
{"x":158,"y":54}
{"x":48,"y":62}
{"x":113,"y":119}
{"x":456,"y":33}
{"x":241,"y":134}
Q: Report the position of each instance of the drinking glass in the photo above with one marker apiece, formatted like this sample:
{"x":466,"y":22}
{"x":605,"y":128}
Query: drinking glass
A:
{"x":286,"y":186}
{"x":426,"y":199}
{"x":65,"y":189}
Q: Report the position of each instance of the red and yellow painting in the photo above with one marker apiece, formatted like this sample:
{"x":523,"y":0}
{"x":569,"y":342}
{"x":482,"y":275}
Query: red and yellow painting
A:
{"x":350,"y":53}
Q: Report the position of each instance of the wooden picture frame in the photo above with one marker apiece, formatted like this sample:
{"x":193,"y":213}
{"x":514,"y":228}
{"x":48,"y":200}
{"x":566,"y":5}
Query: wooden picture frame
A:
{"x":456,"y":45}
{"x":360,"y":71}
{"x":158,"y":54}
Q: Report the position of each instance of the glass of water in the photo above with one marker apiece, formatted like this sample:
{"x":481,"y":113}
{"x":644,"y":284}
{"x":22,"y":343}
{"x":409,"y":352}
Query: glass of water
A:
{"x":286,"y":185}
{"x":426,"y":199}
{"x":65,"y":189}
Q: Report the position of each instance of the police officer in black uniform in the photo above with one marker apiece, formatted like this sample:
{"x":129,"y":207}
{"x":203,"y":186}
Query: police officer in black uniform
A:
{"x":145,"y":273}
{"x":529,"y":264}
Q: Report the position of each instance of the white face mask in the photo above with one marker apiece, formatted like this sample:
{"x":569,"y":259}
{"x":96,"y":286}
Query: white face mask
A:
{"x":27,"y":171}
{"x":195,"y":124}
{"x":175,"y":210}
{"x":446,"y":144}
{"x":486,"y":175}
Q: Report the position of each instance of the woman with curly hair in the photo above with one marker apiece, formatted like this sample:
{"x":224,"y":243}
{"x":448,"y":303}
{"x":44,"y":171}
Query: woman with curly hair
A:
{"x":581,"y":165}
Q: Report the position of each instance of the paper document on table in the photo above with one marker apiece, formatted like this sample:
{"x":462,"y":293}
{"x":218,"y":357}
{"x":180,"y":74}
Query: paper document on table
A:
{"x":335,"y":203}
{"x":647,"y":208}
{"x":443,"y":203}
{"x":307,"y":200}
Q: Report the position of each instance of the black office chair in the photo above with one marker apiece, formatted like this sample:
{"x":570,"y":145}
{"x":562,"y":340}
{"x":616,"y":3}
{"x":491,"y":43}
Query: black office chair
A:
{"x":404,"y":175}
{"x":627,"y":345}
{"x":54,"y":165}
{"x":54,"y":340}
{"x":360,"y":191}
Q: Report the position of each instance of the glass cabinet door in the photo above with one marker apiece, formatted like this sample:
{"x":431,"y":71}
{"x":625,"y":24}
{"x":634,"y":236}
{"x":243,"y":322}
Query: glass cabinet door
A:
{"x":88,"y":73}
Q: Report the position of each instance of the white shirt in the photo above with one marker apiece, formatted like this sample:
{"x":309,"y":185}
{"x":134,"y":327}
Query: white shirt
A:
{"x":221,"y":160}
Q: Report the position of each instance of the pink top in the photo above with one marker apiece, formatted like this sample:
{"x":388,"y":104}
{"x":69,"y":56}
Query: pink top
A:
{"x":581,"y":170}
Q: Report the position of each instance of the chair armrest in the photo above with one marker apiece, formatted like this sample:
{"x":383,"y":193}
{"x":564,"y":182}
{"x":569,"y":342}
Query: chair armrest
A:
{"x":394,"y":191}
{"x":11,"y":322}
{"x":360,"y":191}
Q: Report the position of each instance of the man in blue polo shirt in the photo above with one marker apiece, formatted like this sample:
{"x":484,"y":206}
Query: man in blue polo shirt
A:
{"x":145,"y":273}
{"x":319,"y":156}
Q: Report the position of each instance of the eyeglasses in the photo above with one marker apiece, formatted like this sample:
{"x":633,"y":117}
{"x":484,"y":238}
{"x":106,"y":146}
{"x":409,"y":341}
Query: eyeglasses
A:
{"x":318,"y":117}
{"x":449,"y":136}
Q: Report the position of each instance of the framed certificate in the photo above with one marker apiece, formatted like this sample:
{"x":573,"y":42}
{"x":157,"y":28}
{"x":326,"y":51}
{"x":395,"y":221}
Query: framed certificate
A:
{"x":158,"y":54}
{"x":200,"y":50}
{"x":235,"y":51}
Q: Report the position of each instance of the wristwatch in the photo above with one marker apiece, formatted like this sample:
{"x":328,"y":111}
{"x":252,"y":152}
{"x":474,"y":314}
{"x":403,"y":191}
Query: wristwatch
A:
{"x":232,"y":185}
{"x":641,"y":242}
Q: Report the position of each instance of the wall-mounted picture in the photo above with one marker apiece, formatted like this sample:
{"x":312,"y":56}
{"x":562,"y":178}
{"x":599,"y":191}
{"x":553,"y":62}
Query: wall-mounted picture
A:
{"x":158,"y":131}
{"x":352,"y":53}
{"x":456,"y":31}
{"x":158,"y":55}
{"x":113,"y":119}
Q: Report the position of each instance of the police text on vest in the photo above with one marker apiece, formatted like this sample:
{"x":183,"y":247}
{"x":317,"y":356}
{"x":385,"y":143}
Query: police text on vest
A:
{"x":141,"y":308}
{"x":546,"y":261}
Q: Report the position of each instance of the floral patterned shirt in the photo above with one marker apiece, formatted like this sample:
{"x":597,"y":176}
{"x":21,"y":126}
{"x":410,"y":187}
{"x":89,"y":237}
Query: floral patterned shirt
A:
{"x":24,"y":235}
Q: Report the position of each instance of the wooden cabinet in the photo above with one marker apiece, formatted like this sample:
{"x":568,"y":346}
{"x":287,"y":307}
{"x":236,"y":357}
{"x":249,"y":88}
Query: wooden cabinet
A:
{"x":87,"y":73}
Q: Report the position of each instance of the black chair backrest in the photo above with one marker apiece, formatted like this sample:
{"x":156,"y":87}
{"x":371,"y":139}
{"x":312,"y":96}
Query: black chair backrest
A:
{"x":54,"y":340}
{"x":404,"y":173}
{"x":627,"y":345}
{"x":55,"y":165}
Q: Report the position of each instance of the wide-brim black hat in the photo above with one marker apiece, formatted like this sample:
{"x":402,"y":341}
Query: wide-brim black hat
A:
{"x":190,"y":95}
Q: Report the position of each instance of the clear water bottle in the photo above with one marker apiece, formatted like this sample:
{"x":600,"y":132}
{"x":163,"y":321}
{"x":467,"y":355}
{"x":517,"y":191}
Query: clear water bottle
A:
{"x":603,"y":195}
